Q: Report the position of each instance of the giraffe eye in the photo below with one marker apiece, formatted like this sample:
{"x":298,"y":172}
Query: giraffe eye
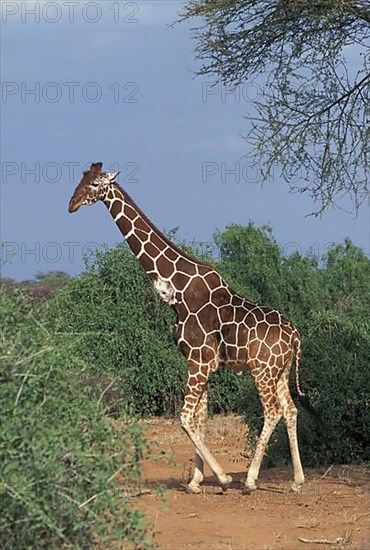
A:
{"x":94,"y":184}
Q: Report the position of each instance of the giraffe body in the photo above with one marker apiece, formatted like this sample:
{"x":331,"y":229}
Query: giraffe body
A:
{"x":215,"y":328}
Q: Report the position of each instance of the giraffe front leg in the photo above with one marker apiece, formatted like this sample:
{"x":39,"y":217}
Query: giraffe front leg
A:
{"x":194,"y":485}
{"x":194,"y":392}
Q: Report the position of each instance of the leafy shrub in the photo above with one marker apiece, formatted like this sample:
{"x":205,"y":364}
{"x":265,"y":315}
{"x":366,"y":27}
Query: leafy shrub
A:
{"x":229,"y":392}
{"x":251,"y":262}
{"x":336,"y":375}
{"x":61,"y":457}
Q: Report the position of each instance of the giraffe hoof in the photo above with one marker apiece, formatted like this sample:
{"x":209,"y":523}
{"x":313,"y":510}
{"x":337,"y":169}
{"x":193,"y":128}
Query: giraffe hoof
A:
{"x":226,"y":483}
{"x":296,"y":487}
{"x":193,"y":489}
{"x":248,"y":489}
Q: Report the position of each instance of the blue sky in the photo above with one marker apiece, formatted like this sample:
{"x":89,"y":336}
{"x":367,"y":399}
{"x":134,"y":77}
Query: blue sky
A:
{"x":112,"y":82}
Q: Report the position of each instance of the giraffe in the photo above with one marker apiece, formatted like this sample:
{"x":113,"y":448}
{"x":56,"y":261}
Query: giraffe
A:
{"x":215,"y":327}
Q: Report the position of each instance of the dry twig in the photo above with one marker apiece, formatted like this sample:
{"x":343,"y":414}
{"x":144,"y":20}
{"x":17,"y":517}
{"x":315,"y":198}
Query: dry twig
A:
{"x":321,"y":541}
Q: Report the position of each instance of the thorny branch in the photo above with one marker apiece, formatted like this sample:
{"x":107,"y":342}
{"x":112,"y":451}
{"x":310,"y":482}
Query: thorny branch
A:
{"x":311,"y":63}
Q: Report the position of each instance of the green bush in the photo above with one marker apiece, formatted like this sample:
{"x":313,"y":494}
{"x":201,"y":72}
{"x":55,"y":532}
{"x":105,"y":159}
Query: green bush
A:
{"x":251,"y":262}
{"x":336,"y":376}
{"x":229,"y":392}
{"x":61,"y":457}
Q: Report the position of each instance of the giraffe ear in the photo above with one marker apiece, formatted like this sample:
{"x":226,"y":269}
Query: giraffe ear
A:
{"x":113,"y":176}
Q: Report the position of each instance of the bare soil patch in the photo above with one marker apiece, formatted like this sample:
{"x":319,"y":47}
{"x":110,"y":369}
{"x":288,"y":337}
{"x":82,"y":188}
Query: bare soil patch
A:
{"x":333,"y":507}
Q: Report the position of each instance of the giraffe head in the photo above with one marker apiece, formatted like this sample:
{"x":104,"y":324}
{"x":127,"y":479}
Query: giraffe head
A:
{"x":93,"y":187}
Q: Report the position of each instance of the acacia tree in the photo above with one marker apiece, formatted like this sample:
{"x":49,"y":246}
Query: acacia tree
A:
{"x":311,"y":61}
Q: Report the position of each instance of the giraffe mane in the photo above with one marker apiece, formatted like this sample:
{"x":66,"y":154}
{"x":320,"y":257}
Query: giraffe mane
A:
{"x":96,"y":169}
{"x":160,"y":233}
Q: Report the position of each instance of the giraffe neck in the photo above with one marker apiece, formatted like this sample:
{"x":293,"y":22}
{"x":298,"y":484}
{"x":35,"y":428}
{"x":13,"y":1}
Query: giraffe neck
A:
{"x":157,"y":255}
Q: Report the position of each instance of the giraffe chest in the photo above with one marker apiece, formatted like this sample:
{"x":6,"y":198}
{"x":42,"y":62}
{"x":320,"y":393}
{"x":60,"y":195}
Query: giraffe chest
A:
{"x":165,"y":290}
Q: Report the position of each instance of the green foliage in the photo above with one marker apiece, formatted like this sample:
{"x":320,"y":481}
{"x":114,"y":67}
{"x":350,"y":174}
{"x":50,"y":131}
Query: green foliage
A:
{"x":229,"y":392}
{"x":347,"y":276}
{"x":301,"y":289}
{"x":251,"y":262}
{"x":336,"y":375}
{"x":61,"y":457}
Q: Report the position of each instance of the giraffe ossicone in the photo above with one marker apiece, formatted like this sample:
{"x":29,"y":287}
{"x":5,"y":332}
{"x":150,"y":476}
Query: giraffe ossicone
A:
{"x":215,"y":328}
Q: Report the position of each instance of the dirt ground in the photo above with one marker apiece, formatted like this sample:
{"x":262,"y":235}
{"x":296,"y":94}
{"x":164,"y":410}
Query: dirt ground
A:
{"x":332,"y":511}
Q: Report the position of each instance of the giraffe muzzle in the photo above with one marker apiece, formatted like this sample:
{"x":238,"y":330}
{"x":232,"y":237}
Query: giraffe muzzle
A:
{"x":73,"y":206}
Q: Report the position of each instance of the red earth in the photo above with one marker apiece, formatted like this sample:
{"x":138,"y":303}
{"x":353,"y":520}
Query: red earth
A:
{"x":332,"y":511}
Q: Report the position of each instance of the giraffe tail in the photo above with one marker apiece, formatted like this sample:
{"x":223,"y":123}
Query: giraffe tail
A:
{"x":297,"y":355}
{"x":303,"y":398}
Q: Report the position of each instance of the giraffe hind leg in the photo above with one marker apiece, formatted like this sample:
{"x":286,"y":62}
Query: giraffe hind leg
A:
{"x":290,"y":418}
{"x":272,"y":413}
